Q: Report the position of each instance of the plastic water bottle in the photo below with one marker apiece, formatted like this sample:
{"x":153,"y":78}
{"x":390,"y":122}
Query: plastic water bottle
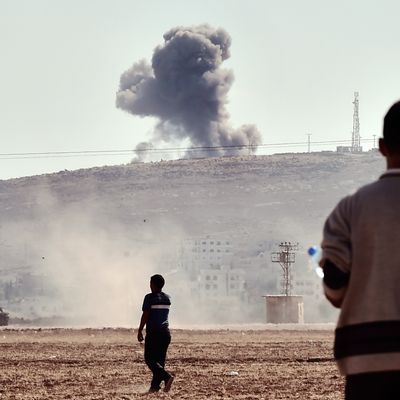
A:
{"x":315,"y":253}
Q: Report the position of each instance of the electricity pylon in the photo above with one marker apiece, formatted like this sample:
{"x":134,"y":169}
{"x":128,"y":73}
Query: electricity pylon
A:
{"x":286,"y":256}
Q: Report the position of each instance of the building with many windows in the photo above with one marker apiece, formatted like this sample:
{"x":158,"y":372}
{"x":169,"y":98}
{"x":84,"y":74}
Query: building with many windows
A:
{"x":222,"y":282}
{"x":208,"y":262}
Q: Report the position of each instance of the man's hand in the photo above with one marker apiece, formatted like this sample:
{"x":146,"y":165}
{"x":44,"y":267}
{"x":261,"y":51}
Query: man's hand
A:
{"x":143,"y":322}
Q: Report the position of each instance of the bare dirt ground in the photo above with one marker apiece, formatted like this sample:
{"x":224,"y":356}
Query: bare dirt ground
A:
{"x":208,"y":364}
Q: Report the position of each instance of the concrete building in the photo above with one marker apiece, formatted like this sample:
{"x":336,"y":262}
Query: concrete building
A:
{"x":222,"y":282}
{"x":208,"y":263}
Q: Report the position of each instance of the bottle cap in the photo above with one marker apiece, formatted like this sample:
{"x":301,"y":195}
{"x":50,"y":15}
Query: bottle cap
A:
{"x":313,"y":250}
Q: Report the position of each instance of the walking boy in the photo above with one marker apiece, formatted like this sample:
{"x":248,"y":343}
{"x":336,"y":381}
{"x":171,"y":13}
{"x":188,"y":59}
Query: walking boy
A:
{"x":155,"y":316}
{"x":361,"y":263}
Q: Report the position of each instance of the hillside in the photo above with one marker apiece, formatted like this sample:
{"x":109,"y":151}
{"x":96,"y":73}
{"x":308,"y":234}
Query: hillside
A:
{"x":256,"y":194}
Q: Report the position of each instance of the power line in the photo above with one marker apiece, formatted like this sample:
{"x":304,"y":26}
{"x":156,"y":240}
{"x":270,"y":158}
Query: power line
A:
{"x":152,"y":150}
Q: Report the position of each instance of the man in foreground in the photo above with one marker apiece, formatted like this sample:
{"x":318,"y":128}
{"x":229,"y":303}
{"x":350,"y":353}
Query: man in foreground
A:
{"x":361,"y":263}
{"x":155,"y":316}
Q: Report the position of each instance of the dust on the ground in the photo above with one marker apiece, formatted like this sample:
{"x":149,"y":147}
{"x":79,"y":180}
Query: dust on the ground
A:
{"x":208,"y":364}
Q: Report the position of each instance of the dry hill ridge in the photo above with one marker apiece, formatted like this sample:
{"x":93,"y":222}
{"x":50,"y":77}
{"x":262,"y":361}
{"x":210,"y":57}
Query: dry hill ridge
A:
{"x":264,"y":197}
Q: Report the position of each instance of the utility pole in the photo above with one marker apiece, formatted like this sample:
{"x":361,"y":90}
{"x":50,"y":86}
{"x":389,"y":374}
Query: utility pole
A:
{"x":309,"y":142}
{"x":374,"y":141}
{"x":286,"y":256}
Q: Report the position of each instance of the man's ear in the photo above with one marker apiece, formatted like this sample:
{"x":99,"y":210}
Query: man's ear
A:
{"x":382,"y":148}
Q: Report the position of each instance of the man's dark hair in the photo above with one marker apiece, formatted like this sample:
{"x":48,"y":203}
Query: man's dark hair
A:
{"x":158,"y":281}
{"x":391,"y":128}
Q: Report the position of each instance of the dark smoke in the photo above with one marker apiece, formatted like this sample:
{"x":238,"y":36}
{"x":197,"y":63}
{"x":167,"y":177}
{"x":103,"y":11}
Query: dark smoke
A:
{"x":186,"y":89}
{"x":141,"y":150}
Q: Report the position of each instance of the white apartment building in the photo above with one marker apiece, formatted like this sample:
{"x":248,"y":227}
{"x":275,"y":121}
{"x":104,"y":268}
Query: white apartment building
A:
{"x":208,"y":252}
{"x":207,"y":261}
{"x":222,"y":282}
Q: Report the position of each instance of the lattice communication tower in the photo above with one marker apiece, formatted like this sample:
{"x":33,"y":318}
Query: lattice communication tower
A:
{"x":356,"y":138}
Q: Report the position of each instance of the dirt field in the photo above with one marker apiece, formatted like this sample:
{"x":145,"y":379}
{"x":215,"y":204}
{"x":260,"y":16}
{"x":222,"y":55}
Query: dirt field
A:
{"x":208,"y":364}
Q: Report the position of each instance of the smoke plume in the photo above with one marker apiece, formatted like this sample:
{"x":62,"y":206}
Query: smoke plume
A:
{"x":186,"y":89}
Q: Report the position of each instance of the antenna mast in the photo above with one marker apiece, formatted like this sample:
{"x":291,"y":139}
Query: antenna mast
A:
{"x":356,"y":139}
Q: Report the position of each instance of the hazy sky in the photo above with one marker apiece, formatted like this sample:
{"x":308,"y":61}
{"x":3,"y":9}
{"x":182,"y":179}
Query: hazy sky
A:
{"x":296,"y":66}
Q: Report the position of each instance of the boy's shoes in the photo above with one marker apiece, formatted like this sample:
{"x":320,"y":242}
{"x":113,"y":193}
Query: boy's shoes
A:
{"x":153,"y":390}
{"x":168,"y":384}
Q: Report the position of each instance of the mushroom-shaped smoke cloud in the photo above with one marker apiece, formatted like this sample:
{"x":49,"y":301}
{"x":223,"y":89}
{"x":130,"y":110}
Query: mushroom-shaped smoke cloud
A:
{"x":186,"y":89}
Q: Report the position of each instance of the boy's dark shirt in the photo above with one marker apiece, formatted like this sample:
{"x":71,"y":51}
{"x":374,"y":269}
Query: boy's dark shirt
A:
{"x":158,"y":304}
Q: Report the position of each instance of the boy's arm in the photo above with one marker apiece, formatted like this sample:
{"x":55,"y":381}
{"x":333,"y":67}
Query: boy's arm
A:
{"x":143,"y":321}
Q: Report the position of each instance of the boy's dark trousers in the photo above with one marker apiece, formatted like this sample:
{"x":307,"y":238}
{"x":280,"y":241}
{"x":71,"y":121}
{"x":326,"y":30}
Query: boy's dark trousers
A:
{"x":373,"y":386}
{"x":155,"y":352}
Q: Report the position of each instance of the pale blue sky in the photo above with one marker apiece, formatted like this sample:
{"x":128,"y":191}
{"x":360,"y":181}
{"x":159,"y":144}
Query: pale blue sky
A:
{"x":296,"y":66}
